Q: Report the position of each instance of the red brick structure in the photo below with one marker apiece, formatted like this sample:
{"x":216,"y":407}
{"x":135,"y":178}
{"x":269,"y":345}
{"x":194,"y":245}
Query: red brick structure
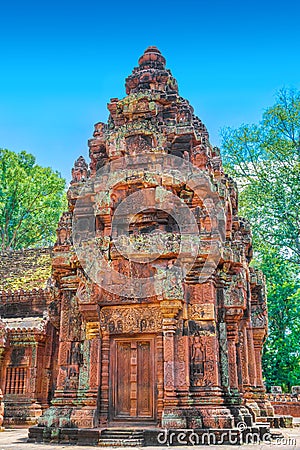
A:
{"x":180,"y":351}
{"x":285,"y":404}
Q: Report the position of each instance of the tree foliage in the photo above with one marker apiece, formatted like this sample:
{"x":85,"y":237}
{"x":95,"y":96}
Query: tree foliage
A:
{"x":31,"y":201}
{"x":265,"y":160}
{"x":281,"y":356}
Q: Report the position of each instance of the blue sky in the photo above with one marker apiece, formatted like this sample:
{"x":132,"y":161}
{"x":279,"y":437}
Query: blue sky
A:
{"x":61,"y":62}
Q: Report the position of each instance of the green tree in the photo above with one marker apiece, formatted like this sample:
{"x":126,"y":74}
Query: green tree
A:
{"x":265,"y":160}
{"x":281,"y":355}
{"x":31,"y":201}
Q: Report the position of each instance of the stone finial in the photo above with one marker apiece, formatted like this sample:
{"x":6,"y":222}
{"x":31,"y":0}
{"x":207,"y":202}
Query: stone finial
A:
{"x":276,"y":390}
{"x":64,"y":229}
{"x":80,"y":170}
{"x":295,"y":391}
{"x":151,"y":74}
{"x":152,"y":57}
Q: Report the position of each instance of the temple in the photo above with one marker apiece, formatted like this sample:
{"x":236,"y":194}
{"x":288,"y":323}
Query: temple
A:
{"x":154,"y":321}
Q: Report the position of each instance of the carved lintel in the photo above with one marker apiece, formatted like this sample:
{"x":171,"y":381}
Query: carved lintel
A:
{"x":130,"y":319}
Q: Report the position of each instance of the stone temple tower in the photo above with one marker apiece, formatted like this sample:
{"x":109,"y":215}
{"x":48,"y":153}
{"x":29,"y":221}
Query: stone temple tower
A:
{"x":161,"y":320}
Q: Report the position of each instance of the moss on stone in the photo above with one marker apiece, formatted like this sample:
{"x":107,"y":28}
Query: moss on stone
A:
{"x":28,"y":269}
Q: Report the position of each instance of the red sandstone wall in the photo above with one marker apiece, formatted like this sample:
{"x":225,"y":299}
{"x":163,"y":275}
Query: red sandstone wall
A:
{"x":287,"y":408}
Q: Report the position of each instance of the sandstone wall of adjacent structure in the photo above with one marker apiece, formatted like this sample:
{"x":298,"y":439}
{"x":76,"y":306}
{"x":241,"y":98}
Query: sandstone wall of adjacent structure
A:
{"x":25,"y":269}
{"x":27,"y":352}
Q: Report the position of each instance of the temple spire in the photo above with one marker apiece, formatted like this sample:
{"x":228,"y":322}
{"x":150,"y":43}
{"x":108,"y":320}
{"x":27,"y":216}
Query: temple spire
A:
{"x":151,"y":74}
{"x":152,"y":58}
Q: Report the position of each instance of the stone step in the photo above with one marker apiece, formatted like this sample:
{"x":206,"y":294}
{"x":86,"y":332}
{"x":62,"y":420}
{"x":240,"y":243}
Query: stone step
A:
{"x":122,"y":434}
{"x":125,"y":431}
{"x":103,"y":442}
{"x":276,"y":434}
{"x":120,"y":437}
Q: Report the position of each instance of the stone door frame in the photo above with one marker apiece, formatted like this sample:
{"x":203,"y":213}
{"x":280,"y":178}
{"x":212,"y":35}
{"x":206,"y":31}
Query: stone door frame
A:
{"x":134,"y":375}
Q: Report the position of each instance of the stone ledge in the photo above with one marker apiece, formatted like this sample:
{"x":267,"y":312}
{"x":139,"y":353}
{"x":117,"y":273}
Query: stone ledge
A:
{"x":151,"y":437}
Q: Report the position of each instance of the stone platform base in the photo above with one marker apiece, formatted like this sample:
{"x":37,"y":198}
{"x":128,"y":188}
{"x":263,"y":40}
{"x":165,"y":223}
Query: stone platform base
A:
{"x":72,"y":436}
{"x":21,"y":413}
{"x":150,"y":437}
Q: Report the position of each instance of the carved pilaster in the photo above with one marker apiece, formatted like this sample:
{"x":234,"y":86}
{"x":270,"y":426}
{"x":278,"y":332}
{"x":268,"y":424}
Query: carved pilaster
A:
{"x":104,"y":399}
{"x":232,"y":336}
{"x":251,"y":358}
{"x":1,"y":366}
{"x":169,"y":310}
{"x":258,"y":340}
{"x":93,"y":335}
{"x":169,"y":328}
{"x":1,"y":411}
{"x":233,"y":316}
{"x":243,"y":356}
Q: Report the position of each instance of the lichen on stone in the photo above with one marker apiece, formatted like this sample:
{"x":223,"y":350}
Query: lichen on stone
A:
{"x":28,"y":269}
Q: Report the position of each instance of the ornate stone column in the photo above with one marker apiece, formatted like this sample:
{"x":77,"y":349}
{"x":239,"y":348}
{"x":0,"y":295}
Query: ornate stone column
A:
{"x":63,"y":385}
{"x":86,"y":415}
{"x":168,"y":329}
{"x":241,"y":413}
{"x":264,"y":405}
{"x":2,"y":349}
{"x":250,"y":395}
{"x":104,"y":395}
{"x":232,"y":317}
{"x":171,"y":417}
{"x":251,"y":357}
{"x":1,"y":411}
{"x":243,"y":355}
{"x":37,"y":348}
{"x":232,"y":338}
{"x":93,"y":335}
{"x":259,"y":322}
{"x":258,"y":340}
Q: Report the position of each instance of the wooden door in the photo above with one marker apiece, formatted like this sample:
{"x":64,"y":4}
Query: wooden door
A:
{"x":132,"y":378}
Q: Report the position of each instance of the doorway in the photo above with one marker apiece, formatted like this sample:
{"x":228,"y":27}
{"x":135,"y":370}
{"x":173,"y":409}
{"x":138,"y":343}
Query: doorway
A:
{"x":132,"y":379}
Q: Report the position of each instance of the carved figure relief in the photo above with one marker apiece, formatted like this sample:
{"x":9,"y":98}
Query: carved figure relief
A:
{"x":198,"y":358}
{"x":138,"y":144}
{"x":202,"y":312}
{"x":75,"y":356}
{"x":71,"y":380}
